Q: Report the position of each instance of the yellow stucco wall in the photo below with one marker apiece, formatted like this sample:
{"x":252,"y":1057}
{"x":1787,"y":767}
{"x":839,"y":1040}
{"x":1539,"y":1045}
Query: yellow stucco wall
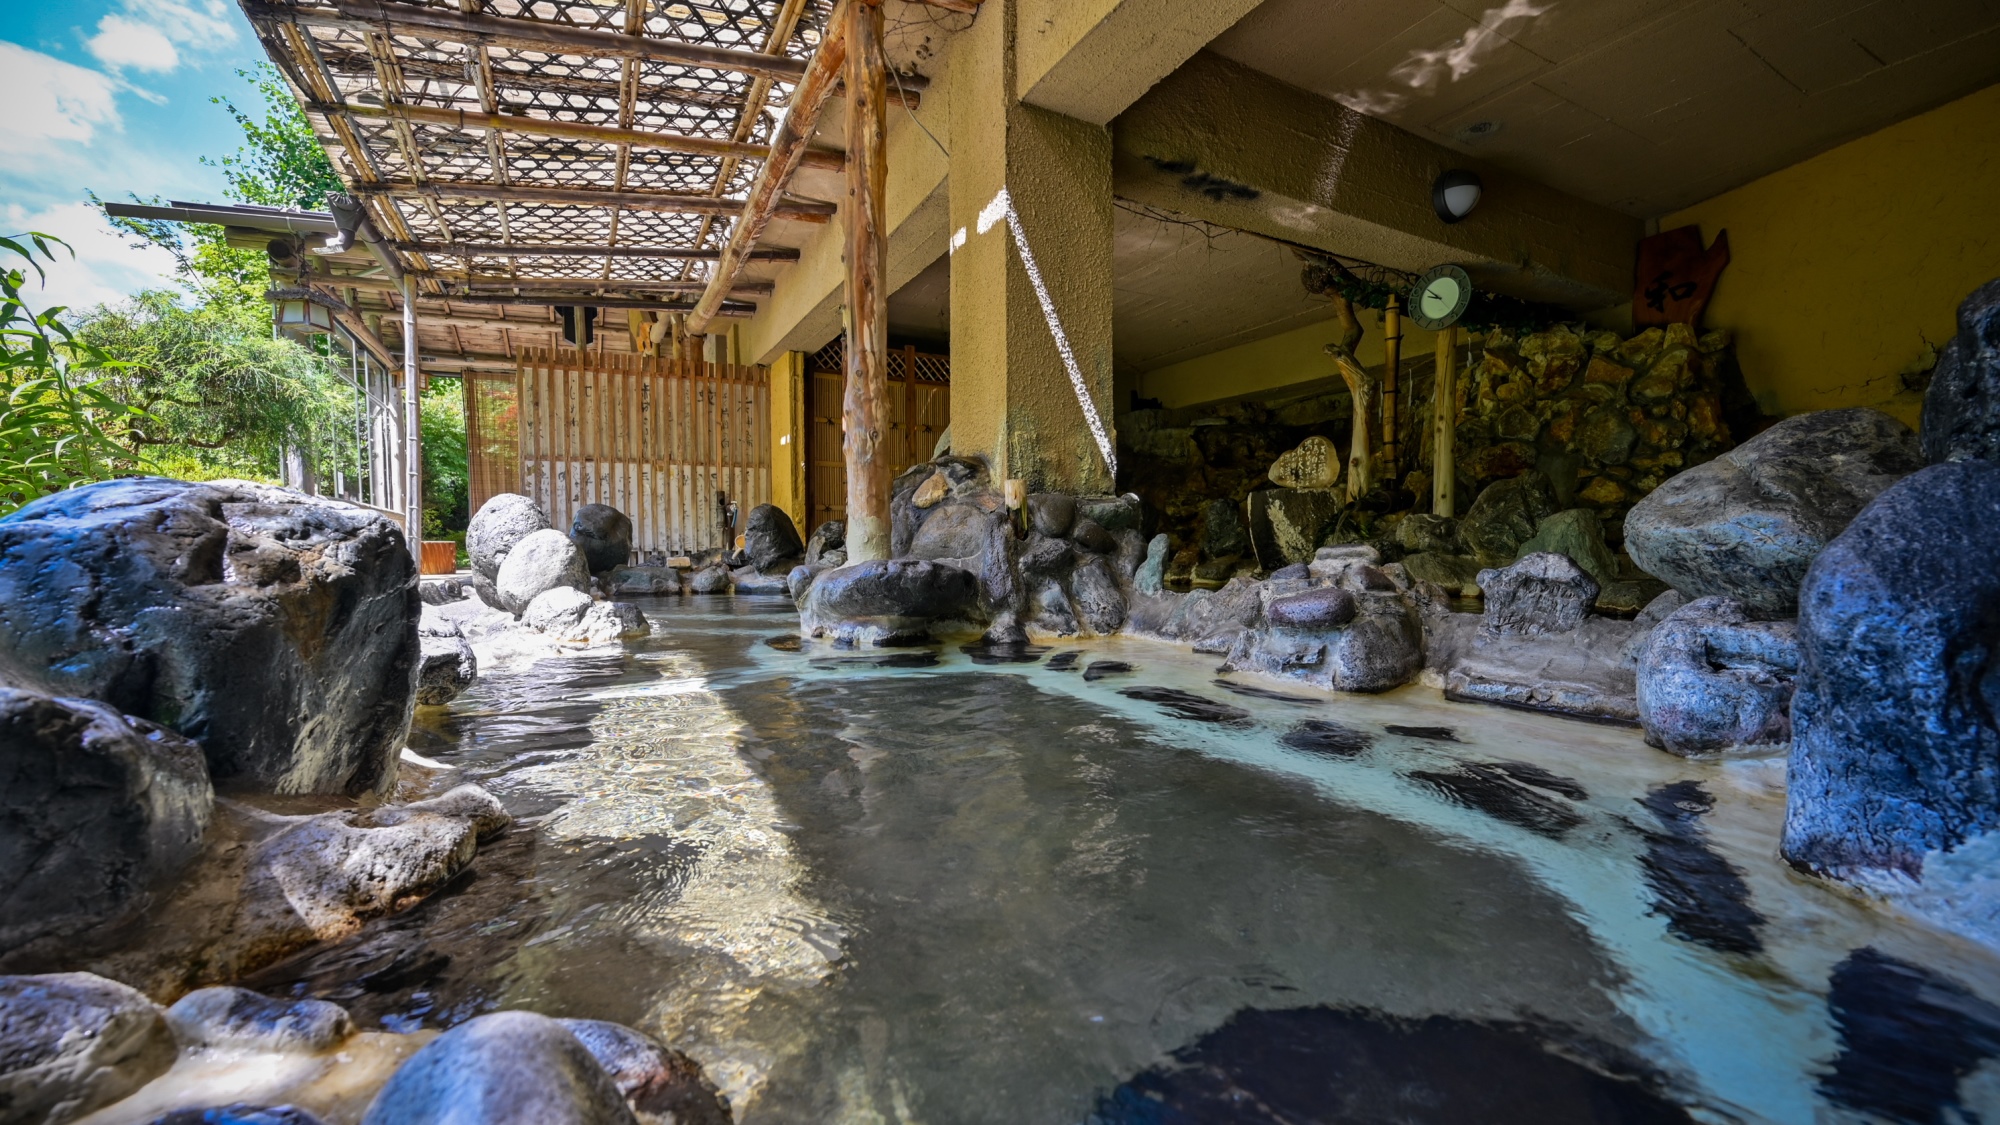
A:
{"x":1842,"y":266}
{"x":788,"y":436}
{"x":1275,"y":361}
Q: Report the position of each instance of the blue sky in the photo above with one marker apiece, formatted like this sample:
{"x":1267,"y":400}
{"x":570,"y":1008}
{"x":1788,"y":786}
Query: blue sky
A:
{"x":112,"y":96}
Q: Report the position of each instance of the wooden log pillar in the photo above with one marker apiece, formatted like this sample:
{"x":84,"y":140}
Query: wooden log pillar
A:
{"x":413,"y":460}
{"x":865,"y":407}
{"x":1392,"y":356}
{"x":1444,"y":420}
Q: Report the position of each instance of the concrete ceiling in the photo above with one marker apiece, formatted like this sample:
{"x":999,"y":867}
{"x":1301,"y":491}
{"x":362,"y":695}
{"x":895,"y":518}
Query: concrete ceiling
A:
{"x":920,"y":311}
{"x":1181,"y":290}
{"x":1645,"y":106}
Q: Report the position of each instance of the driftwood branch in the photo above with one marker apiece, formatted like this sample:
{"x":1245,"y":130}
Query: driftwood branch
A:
{"x":1361,"y":389}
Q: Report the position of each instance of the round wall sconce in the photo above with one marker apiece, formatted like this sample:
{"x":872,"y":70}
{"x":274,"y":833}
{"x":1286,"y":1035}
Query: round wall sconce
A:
{"x":1455,"y":194}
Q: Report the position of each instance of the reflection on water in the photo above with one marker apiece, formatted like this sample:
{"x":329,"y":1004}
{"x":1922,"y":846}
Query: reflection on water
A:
{"x":972,"y":885}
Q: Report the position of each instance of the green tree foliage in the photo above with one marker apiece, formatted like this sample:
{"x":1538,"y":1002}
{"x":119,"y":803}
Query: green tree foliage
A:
{"x":54,"y":406}
{"x":446,"y":490}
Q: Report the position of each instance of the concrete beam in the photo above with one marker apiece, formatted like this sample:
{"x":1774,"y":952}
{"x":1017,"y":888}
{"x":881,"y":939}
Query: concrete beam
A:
{"x":1219,"y":141}
{"x":1091,"y":59}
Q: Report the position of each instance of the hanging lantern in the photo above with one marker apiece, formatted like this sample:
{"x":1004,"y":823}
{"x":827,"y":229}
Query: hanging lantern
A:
{"x":301,"y":319}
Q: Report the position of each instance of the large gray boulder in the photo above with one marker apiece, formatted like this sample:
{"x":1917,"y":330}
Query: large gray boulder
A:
{"x":1362,"y":635}
{"x":1895,"y":742}
{"x":71,"y":1043}
{"x":507,"y":1068}
{"x":1287,"y":524}
{"x":603,"y":534}
{"x":772,"y":540}
{"x":448,"y":665}
{"x":1747,"y":524}
{"x":98,"y":811}
{"x":1962,"y":407}
{"x":239,"y":1019}
{"x":1504,"y":516}
{"x":885,"y":600}
{"x":1578,"y":534}
{"x":500,"y":523}
{"x":540,"y":562}
{"x":1542,"y":593}
{"x":1711,"y":679}
{"x":277,"y":630}
{"x":653,"y":1078}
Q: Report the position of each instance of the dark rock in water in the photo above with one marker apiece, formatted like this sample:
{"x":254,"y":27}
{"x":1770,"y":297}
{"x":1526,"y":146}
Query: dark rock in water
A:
{"x":1087,"y":535}
{"x":1702,"y":894}
{"x":1187,"y":705}
{"x":1710,"y":678}
{"x":1962,"y":406}
{"x":1102,"y":669}
{"x":1908,"y":1037}
{"x":508,"y":1068}
{"x":1323,"y":736}
{"x":1255,"y":692}
{"x":1096,"y":596}
{"x":1063,"y":661}
{"x":955,"y":530}
{"x":1504,"y":516}
{"x":1052,"y":513}
{"x":442,"y":591}
{"x":802,"y":576}
{"x":603,"y":534}
{"x":1353,"y":1065}
{"x":1215,"y":619}
{"x":750,"y":580}
{"x":1003,"y":652}
{"x":277,"y":630}
{"x":1542,"y":593}
{"x":883,"y":660}
{"x":713,"y":579}
{"x":1429,"y":734}
{"x":1221,"y":531}
{"x":1322,"y":608}
{"x":448,"y":666}
{"x":1894,"y":729}
{"x":1541,"y":777}
{"x":787,"y":643}
{"x":1049,"y":609}
{"x":240,"y":1019}
{"x":653,"y":1078}
{"x":71,"y":1043}
{"x":1288,"y":524}
{"x":828,"y":536}
{"x":540,"y":562}
{"x":1488,"y":789}
{"x":643,"y":580}
{"x":98,"y":811}
{"x":1747,"y":524}
{"x":501,"y":522}
{"x":771,"y":540}
{"x":239,"y":1113}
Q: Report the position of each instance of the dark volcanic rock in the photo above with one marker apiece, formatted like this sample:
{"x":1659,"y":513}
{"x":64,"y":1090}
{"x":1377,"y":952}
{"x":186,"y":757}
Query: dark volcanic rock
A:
{"x":240,"y":1019}
{"x":885,"y":599}
{"x":1578,"y":534}
{"x":1188,"y":705}
{"x":98,"y":810}
{"x":603,"y":534}
{"x":1096,"y":596}
{"x":1288,"y":524}
{"x":1103,"y":669}
{"x":1709,"y":678}
{"x":828,"y":536}
{"x":711,"y":579}
{"x":1052,"y":513}
{"x":277,"y":630}
{"x":73,"y":1042}
{"x":239,"y":1113}
{"x":1320,"y":608}
{"x":771,"y":540}
{"x":508,"y":1068}
{"x":1221,"y":532}
{"x":500,"y":523}
{"x":1702,"y":894}
{"x":448,"y":665}
{"x":1749,"y":523}
{"x":1962,"y":407}
{"x":1505,"y":516}
{"x":1894,"y":735}
{"x":1493,"y":791}
{"x":1543,"y":593}
{"x":1323,"y":736}
{"x":1113,"y":513}
{"x":1087,"y":535}
{"x":653,"y":1078}
{"x":1908,"y":1037}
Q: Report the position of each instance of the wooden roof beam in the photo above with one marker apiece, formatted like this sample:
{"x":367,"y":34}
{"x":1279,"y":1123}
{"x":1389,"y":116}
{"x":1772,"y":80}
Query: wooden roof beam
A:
{"x":788,"y":147}
{"x":467,"y":120}
{"x":501,"y":250}
{"x":584,"y":300}
{"x":684,"y":203}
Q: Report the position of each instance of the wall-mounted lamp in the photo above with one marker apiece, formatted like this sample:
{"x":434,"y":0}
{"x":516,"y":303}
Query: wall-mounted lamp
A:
{"x":1455,"y":194}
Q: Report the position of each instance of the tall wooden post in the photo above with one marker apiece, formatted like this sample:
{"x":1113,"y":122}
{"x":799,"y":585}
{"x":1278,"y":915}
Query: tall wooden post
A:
{"x":1444,"y":420}
{"x":867,"y":359}
{"x":413,"y":460}
{"x":1392,"y":356}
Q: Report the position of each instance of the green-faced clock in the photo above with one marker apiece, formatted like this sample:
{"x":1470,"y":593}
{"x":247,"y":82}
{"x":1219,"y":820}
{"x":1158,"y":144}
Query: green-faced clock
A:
{"x":1439,"y":297}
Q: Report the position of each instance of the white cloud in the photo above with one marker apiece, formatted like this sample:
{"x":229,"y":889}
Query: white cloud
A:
{"x":52,"y":102}
{"x":151,"y":36}
{"x":121,"y":43}
{"x":106,"y":267}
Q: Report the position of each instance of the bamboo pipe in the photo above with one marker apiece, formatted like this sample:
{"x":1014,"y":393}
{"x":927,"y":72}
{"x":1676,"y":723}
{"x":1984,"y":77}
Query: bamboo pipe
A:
{"x":1444,"y":419}
{"x":1392,"y":355}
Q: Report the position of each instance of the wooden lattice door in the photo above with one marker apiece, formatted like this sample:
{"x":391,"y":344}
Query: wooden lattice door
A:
{"x":919,"y":409}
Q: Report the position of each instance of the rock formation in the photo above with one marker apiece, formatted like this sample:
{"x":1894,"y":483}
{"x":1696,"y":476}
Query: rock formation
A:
{"x":540,"y":562}
{"x":603,"y":534}
{"x":1962,"y":406}
{"x":507,"y":1068}
{"x":1711,"y":679}
{"x":71,"y":1043}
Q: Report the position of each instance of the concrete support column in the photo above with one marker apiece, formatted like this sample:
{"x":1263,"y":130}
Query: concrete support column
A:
{"x":1031,"y":277}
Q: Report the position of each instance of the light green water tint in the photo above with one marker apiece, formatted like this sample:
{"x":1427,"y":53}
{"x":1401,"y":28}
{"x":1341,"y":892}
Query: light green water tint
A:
{"x":992,"y":893}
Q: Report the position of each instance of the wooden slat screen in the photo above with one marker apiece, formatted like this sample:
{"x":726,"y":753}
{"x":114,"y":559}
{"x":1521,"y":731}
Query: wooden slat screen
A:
{"x":656,"y":438}
{"x":492,"y":436}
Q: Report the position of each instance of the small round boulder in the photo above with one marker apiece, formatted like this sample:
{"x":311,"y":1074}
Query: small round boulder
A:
{"x":507,"y":1068}
{"x":245,"y":1020}
{"x":73,"y":1042}
{"x":499,"y":524}
{"x":1324,"y":607}
{"x":537,"y":564}
{"x":603,"y":534}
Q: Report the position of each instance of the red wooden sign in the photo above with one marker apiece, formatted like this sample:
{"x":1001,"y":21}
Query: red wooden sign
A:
{"x":1676,"y":277}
